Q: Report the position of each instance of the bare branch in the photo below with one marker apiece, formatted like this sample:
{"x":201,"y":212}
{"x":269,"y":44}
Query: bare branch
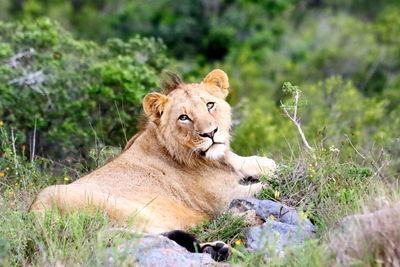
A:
{"x":297,"y":121}
{"x":286,"y":112}
{"x":14,"y":61}
{"x":33,"y":144}
{"x":33,"y":80}
{"x":296,"y":99}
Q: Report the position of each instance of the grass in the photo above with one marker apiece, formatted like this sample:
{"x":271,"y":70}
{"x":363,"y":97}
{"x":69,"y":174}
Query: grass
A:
{"x":324,"y":186}
{"x":321,"y":182}
{"x":77,"y":239}
{"x":227,"y":227}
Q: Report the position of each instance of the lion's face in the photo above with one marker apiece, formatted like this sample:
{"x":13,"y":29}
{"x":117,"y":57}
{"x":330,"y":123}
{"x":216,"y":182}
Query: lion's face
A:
{"x":193,"y":120}
{"x":197,"y":120}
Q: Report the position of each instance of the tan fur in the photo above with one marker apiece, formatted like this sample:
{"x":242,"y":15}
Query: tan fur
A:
{"x":169,"y":177}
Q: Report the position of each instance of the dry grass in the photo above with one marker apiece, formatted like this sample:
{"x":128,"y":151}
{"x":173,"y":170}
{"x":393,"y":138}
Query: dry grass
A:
{"x":371,"y":238}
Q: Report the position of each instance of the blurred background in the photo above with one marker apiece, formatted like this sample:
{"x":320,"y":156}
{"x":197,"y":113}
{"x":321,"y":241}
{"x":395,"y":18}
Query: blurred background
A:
{"x":73,"y":73}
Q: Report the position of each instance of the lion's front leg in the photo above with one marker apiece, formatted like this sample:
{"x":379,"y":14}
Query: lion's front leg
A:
{"x":253,"y":166}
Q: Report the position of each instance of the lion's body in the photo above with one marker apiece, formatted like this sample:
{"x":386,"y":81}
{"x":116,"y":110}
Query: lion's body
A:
{"x":159,"y":180}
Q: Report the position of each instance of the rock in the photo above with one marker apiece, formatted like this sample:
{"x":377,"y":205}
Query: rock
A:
{"x":368,"y":217}
{"x":159,"y":251}
{"x":282,"y":225}
{"x":273,"y":236}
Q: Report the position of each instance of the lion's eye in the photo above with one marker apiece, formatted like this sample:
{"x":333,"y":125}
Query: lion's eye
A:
{"x":210,"y":105}
{"x":183,"y":117}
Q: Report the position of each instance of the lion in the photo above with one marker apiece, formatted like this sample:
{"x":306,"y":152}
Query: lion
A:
{"x":175,"y":172}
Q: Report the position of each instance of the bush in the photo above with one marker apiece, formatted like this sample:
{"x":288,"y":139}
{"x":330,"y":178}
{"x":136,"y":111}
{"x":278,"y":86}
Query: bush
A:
{"x":72,"y":92}
{"x":190,"y":28}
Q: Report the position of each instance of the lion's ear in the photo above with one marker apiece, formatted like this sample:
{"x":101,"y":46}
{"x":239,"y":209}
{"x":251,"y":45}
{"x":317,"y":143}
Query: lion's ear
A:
{"x":219,"y":79}
{"x":153,"y":105}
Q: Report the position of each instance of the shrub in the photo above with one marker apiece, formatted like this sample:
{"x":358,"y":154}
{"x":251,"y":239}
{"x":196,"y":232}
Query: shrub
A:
{"x":72,"y":92}
{"x":190,"y":28}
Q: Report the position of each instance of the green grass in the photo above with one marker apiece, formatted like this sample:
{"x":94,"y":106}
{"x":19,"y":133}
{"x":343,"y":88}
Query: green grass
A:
{"x":320,"y":183}
{"x":74,"y":239}
{"x":227,"y":227}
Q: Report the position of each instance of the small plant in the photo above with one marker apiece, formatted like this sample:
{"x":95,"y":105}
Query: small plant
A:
{"x":20,"y":169}
{"x":290,"y":108}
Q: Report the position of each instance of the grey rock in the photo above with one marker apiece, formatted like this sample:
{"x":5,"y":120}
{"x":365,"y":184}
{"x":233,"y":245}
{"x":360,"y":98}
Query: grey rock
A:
{"x":273,"y":236}
{"x":284,"y":228}
{"x":159,"y":251}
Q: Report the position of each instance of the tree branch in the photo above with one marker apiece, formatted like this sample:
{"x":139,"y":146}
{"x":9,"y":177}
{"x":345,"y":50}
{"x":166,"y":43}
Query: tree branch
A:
{"x":295,"y":92}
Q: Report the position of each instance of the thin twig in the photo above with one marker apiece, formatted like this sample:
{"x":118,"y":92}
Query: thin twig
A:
{"x":297,"y":124}
{"x":296,"y":99}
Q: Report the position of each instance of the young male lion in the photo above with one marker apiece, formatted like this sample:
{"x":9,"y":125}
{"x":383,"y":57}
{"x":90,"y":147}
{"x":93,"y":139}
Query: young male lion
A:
{"x":174,"y":173}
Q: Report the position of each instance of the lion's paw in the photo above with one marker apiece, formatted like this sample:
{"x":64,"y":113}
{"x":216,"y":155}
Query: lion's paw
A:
{"x":218,"y":250}
{"x":260,"y":166}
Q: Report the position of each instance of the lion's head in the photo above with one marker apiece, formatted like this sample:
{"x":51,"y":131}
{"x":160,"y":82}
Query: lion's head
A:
{"x":192,"y":121}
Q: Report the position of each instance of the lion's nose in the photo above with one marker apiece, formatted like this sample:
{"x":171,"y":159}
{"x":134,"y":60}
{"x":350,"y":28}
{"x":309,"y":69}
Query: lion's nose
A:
{"x":209,"y":134}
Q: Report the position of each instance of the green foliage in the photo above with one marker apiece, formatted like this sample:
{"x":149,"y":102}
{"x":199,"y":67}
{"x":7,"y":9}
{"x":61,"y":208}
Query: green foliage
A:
{"x":338,"y":116}
{"x":325,"y":45}
{"x":73,"y":92}
{"x":205,"y":28}
{"x":290,"y":89}
{"x":260,"y":131}
{"x":347,"y":70}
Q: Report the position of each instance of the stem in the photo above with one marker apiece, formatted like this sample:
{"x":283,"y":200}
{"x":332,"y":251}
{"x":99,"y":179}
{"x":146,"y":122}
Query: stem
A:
{"x":296,"y":99}
{"x":33,"y":144}
{"x":303,"y":137}
{"x":295,"y":120}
